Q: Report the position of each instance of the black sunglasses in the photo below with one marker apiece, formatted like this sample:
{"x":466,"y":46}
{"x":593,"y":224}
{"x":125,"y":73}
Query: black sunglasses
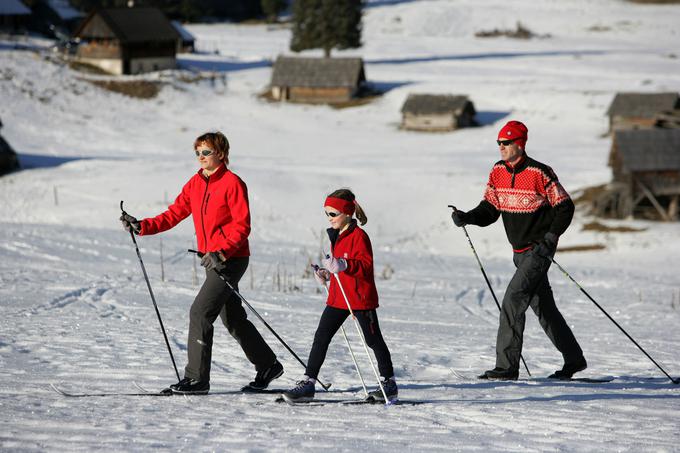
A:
{"x":332,"y":214}
{"x":205,"y":152}
{"x":505,"y":142}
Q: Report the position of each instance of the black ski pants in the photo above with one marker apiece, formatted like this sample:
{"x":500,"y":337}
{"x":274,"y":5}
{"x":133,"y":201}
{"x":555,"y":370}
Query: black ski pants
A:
{"x":529,"y":287}
{"x":216,"y":299}
{"x":331,"y":320}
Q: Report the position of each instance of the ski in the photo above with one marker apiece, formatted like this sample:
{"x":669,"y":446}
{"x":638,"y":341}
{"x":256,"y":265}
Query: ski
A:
{"x":348,"y":402}
{"x":103,"y":394}
{"x":586,"y":380}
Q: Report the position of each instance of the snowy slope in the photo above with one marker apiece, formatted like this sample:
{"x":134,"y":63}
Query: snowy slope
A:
{"x":75,"y":309}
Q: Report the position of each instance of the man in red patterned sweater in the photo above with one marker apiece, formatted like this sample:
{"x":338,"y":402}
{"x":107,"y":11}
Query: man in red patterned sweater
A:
{"x":536,"y":210}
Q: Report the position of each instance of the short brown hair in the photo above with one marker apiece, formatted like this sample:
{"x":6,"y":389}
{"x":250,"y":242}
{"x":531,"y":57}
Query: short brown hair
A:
{"x":217,"y":142}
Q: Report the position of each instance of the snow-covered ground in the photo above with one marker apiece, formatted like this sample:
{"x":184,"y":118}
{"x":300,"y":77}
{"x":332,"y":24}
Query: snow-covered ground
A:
{"x":74,"y":308}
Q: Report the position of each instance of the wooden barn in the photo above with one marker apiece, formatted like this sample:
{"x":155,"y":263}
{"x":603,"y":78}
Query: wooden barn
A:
{"x":640,"y":110}
{"x":127,"y":40}
{"x":646,"y":173}
{"x":437,"y":112}
{"x":317,"y":80}
{"x":14,"y":16}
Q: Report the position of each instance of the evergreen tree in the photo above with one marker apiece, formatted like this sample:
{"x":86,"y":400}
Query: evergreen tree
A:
{"x":326,"y":24}
{"x":272,"y":8}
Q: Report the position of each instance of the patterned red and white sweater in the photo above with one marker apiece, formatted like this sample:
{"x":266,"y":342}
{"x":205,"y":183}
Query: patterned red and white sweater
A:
{"x":529,"y":197}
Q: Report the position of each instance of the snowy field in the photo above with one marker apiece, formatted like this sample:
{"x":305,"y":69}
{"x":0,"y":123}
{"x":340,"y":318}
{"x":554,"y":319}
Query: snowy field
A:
{"x":74,"y":308}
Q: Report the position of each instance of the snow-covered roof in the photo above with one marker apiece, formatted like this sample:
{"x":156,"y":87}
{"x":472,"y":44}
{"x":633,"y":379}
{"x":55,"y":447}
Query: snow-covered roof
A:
{"x":13,"y":8}
{"x":64,"y":9}
{"x":183,"y":32}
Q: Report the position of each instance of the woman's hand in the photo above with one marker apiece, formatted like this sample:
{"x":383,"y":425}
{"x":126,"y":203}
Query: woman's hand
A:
{"x":213,"y":260}
{"x":321,"y":275}
{"x":130,"y":223}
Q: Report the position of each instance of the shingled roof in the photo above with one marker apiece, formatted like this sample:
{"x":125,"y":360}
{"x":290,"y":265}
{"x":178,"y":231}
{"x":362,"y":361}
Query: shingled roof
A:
{"x":435,"y":104}
{"x":649,"y":149}
{"x":13,"y":8}
{"x":129,"y":25}
{"x":317,"y":72}
{"x":642,"y":105}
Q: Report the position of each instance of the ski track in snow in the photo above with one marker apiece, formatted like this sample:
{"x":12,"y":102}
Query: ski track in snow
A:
{"x":75,"y":310}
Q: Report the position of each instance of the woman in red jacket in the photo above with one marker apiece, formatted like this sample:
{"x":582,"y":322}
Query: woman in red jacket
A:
{"x":217,"y":200}
{"x":351,"y":260}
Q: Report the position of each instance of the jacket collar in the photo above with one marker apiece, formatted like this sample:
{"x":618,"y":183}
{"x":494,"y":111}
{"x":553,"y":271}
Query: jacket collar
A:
{"x":519,"y":166}
{"x":217,"y":175}
{"x":334,"y":234}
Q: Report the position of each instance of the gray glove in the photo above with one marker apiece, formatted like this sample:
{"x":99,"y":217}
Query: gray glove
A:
{"x":212,"y":260}
{"x":546,"y":247}
{"x":130,"y":223}
{"x":334,"y":265}
{"x":458,"y":218}
{"x":321,"y":275}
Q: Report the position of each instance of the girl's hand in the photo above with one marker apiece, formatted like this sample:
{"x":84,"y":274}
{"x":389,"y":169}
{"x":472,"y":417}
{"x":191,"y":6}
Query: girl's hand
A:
{"x":333,"y":264}
{"x":321,"y":275}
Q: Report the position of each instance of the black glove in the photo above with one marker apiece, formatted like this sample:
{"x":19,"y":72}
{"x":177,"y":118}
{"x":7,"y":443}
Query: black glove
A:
{"x":130,"y":223}
{"x":546,"y":247}
{"x":459,"y":218}
{"x":212,"y":260}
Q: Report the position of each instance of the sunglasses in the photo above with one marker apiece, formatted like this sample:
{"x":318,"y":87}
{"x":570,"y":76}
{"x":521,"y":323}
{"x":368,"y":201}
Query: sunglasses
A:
{"x":205,"y":152}
{"x":332,"y":214}
{"x":505,"y":142}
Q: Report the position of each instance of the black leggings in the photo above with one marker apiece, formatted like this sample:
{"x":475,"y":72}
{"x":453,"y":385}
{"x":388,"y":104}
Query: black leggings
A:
{"x":331,"y":320}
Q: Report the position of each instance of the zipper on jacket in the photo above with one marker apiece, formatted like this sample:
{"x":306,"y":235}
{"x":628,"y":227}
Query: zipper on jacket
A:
{"x":204,"y":202}
{"x":512,"y":182}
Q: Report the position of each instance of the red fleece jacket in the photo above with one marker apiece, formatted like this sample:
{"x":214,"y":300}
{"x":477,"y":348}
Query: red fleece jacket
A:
{"x":219,"y":207}
{"x":357,"y":280}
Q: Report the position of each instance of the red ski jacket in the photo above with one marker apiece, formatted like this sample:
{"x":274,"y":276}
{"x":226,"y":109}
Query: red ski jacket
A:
{"x":219,"y":206}
{"x":354,"y":246}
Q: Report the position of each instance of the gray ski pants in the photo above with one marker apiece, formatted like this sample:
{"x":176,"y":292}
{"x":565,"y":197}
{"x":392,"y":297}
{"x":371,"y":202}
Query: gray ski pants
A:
{"x":216,"y":299}
{"x":529,"y":287}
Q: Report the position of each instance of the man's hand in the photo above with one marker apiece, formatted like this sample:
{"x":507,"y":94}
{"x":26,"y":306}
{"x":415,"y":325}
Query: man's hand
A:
{"x":130,"y":223}
{"x":546,"y":247}
{"x":458,"y":218}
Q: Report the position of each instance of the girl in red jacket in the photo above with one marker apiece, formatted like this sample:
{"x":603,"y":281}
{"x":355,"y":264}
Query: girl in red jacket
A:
{"x":352,"y":260}
{"x":217,"y":200}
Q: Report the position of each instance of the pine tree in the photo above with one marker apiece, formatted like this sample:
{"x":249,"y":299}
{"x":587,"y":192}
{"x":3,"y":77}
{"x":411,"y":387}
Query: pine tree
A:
{"x":272,"y":8}
{"x":326,"y":24}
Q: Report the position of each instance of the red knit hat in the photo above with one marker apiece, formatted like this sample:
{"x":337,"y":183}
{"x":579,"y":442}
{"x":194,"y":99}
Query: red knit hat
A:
{"x":514,"y":130}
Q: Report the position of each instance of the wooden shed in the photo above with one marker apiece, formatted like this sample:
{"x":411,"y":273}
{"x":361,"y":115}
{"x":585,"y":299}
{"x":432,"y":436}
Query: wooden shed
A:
{"x":646,"y":169}
{"x":14,"y":15}
{"x":127,"y":40}
{"x":317,"y":80}
{"x":186,"y":42}
{"x":639,"y":110}
{"x":437,"y":112}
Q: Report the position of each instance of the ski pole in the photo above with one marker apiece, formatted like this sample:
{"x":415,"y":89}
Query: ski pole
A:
{"x":233,"y":290}
{"x":153,"y":299}
{"x":488,"y":283}
{"x":349,"y":346}
{"x":674,"y":381}
{"x":363,"y":340}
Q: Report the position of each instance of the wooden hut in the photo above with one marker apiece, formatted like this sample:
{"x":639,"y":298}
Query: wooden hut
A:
{"x":639,"y":110}
{"x":14,"y":15}
{"x":317,"y":80}
{"x":646,"y":169}
{"x":127,"y":40}
{"x":437,"y":112}
{"x":8,"y":158}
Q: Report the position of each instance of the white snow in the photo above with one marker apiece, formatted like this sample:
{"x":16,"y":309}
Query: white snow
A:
{"x":75,"y":310}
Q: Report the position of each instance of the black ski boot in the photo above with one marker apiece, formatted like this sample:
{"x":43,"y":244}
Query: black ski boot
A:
{"x":569,"y":369}
{"x":264,"y":377}
{"x":188,"y":386}
{"x":391,"y":390}
{"x":303,"y":392}
{"x":500,"y":374}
